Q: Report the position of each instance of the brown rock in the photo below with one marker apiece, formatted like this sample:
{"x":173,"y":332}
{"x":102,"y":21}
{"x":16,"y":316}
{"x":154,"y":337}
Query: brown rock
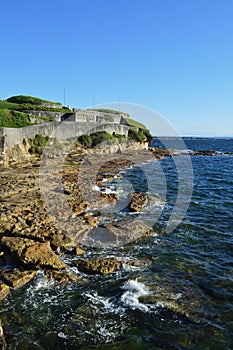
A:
{"x":41,"y":254}
{"x":4,"y":290}
{"x":60,"y":276}
{"x":32,"y":252}
{"x":102,"y":266}
{"x":79,"y":251}
{"x":138,"y":201}
{"x":18,"y":278}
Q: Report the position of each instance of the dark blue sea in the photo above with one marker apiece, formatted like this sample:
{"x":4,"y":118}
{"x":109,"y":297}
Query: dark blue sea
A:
{"x":183,"y":299}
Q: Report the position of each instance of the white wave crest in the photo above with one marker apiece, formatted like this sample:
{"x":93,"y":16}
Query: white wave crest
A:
{"x":134,"y":290}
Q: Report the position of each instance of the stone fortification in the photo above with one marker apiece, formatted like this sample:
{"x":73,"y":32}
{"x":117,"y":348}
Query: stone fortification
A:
{"x":9,"y":137}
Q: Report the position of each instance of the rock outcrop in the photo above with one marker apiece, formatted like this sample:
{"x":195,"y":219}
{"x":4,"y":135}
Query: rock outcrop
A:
{"x":33,"y":253}
{"x":102,"y":266}
{"x":4,"y":290}
{"x":17,"y":278}
{"x":138,"y":201}
{"x":118,"y":233}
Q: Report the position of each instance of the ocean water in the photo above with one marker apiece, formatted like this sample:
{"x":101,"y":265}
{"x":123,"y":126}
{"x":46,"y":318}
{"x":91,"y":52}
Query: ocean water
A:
{"x":182,"y":300}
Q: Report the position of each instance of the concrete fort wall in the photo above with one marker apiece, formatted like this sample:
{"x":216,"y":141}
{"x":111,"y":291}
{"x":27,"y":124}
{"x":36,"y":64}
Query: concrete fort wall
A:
{"x":56,"y":115}
{"x":61,"y":131}
{"x":80,"y":115}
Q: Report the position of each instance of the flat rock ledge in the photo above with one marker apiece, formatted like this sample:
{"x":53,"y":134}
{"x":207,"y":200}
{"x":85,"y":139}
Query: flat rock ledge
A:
{"x":119,"y":233}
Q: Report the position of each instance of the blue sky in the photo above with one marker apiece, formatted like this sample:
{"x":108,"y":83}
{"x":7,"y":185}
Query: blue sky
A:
{"x":173,"y":56}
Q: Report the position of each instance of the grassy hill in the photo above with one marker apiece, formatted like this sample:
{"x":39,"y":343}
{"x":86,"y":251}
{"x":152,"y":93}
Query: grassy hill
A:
{"x":13,"y":111}
{"x":21,"y":99}
{"x":13,"y":119}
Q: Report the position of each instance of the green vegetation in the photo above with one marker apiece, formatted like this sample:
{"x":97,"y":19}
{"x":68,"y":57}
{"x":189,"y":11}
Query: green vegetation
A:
{"x":112,"y":111}
{"x":37,"y":144}
{"x":13,"y":119}
{"x":30,"y":107}
{"x":139,"y":135}
{"x":85,"y":141}
{"x":135,"y":124}
{"x":89,"y":141}
{"x":13,"y":111}
{"x":94,"y":139}
{"x":7,"y":105}
{"x":21,"y":99}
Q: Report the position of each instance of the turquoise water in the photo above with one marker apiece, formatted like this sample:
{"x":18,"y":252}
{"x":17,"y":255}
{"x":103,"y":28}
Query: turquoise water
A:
{"x":182,"y":300}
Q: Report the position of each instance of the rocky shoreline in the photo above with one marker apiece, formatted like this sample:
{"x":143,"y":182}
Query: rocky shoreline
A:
{"x":62,"y":210}
{"x":29,"y":239}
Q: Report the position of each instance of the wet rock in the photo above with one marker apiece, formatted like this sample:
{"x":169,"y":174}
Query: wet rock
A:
{"x":79,"y":251}
{"x":205,"y":153}
{"x":3,"y":344}
{"x":17,"y":278}
{"x":117,"y":233}
{"x":160,"y":153}
{"x":4,"y":290}
{"x":101,"y":266}
{"x":61,"y":277}
{"x":138,"y":263}
{"x":33,"y":253}
{"x":138,"y":201}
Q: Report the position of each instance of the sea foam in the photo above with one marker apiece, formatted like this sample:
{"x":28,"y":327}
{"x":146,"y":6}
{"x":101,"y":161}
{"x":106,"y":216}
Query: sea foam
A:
{"x":133,"y":291}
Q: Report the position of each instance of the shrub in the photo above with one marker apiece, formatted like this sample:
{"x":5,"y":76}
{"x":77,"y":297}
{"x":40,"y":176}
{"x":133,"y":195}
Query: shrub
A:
{"x":85,"y":140}
{"x":37,"y":144}
{"x":135,"y":135}
{"x":99,"y":137}
{"x":40,"y":140}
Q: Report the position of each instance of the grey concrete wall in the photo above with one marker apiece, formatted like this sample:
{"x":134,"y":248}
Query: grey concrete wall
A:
{"x":56,"y":115}
{"x":60,"y":131}
{"x":81,"y":115}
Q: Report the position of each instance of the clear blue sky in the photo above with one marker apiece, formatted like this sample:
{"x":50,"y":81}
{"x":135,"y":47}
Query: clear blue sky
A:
{"x":174,"y":56}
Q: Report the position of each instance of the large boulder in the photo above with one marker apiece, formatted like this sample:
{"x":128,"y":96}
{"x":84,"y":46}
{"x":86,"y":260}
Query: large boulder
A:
{"x":33,"y":253}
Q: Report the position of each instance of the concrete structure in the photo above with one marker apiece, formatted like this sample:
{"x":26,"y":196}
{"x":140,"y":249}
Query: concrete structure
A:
{"x":67,"y":125}
{"x":81,"y":115}
{"x":58,"y":130}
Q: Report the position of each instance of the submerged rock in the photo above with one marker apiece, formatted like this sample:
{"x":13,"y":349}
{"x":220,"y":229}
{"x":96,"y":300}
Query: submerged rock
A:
{"x":117,"y":233}
{"x":33,"y":253}
{"x":17,"y":278}
{"x":61,"y":276}
{"x":102,"y":266}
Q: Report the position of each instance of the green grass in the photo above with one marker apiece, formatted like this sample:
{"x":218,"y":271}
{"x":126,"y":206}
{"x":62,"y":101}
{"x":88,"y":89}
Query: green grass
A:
{"x":7,"y":105}
{"x":134,"y":123}
{"x":31,"y":107}
{"x":112,"y":111}
{"x":13,"y":119}
{"x":21,"y":99}
{"x":13,"y":111}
